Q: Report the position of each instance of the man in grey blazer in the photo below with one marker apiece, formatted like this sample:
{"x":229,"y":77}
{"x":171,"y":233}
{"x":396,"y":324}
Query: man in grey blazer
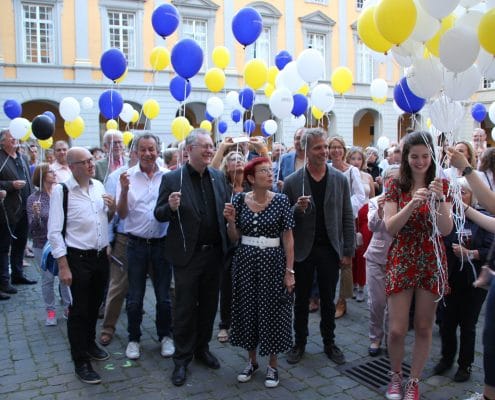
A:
{"x":192,"y":199}
{"x":114,"y":147}
{"x":323,"y":239}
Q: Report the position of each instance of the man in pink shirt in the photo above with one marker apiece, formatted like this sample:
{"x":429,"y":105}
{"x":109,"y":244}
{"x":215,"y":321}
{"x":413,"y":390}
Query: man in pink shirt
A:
{"x":60,"y":165}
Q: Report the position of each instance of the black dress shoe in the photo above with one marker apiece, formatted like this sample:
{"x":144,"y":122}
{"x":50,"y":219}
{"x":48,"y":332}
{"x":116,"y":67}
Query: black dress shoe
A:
{"x":462,"y":374}
{"x":97,"y":353}
{"x":334,"y":354}
{"x":23,"y":281}
{"x":4,"y":296}
{"x":87,"y":374}
{"x":8,"y":288}
{"x":179,"y":375}
{"x":295,"y":354}
{"x":441,"y":367}
{"x":207,"y":359}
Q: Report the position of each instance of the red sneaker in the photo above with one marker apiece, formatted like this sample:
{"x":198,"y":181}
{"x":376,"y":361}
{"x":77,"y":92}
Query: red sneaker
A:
{"x":394,"y":390}
{"x":412,"y":389}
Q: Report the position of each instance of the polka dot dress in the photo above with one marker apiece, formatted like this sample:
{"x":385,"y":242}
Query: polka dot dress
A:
{"x":259,"y":318}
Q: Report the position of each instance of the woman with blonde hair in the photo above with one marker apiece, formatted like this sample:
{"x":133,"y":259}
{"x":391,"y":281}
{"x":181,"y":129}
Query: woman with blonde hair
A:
{"x":464,"y":147}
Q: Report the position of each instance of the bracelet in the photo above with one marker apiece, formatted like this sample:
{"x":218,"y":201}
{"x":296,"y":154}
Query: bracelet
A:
{"x":467,"y":208}
{"x":291,"y":271}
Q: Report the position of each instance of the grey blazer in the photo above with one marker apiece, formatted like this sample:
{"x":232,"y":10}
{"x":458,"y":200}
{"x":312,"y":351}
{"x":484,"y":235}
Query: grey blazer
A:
{"x":339,"y":220}
{"x":101,"y":168}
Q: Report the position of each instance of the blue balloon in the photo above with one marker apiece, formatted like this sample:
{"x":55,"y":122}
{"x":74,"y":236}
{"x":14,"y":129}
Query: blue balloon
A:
{"x":222,"y":127}
{"x":263,"y":131}
{"x":249,"y":126}
{"x":180,"y":88}
{"x":209,"y":117}
{"x":113,"y":63}
{"x":12,"y":108}
{"x":43,"y":127}
{"x":246,"y":98}
{"x":407,"y":100}
{"x":247,"y":25}
{"x":165,"y":20}
{"x":478,"y":112}
{"x":51,"y":115}
{"x":282,"y":59}
{"x":300,"y":104}
{"x":111,"y":104}
{"x":187,"y":58}
{"x":236,"y":116}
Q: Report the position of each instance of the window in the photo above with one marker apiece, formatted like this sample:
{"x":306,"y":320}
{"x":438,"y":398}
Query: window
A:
{"x":488,"y":83}
{"x":359,"y":4}
{"x":364,"y":64}
{"x":317,"y":41}
{"x":38,"y":34}
{"x":261,"y":48}
{"x":196,"y":29}
{"x":121,"y":34}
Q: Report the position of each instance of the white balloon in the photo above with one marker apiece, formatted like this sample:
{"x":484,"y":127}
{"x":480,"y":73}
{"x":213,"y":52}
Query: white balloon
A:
{"x":289,"y":77}
{"x":383,"y":142}
{"x":446,"y":115}
{"x":425,"y":77}
{"x":322,"y":97}
{"x":19,"y":127}
{"x":87,"y":103}
{"x":470,"y":19}
{"x":270,"y":126}
{"x":310,"y":65}
{"x":469,"y":3}
{"x":426,"y":25}
{"x":491,"y":112}
{"x":300,"y":121}
{"x":69,"y":108}
{"x":407,"y":52}
{"x":463,"y":85}
{"x":439,"y":8}
{"x":126,"y":113}
{"x":281,"y":102}
{"x":379,"y":88}
{"x":214,"y":106}
{"x":486,"y":64}
{"x":232,"y":100}
{"x":493,"y":133}
{"x":459,"y":48}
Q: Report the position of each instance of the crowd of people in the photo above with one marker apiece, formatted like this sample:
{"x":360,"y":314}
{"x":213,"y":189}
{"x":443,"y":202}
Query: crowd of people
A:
{"x":269,"y":234}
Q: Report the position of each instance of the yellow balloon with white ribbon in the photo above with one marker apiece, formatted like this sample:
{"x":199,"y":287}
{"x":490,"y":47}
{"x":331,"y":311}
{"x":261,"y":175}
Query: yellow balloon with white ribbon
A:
{"x":206,"y":125}
{"x":180,"y":128}
{"x":151,"y":108}
{"x":159,"y":58}
{"x":369,"y":33}
{"x":75,"y":128}
{"x":255,"y":73}
{"x":395,"y":19}
{"x":215,"y":79}
{"x":221,"y":56}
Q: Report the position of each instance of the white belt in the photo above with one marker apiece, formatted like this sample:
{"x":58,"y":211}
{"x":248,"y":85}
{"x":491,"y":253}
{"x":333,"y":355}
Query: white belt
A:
{"x":261,"y":242}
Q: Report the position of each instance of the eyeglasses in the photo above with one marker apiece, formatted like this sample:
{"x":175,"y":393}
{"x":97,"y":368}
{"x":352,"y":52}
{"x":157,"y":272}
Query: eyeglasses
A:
{"x":89,"y":161}
{"x":235,"y":159}
{"x":265,"y":171}
{"x":204,"y":146}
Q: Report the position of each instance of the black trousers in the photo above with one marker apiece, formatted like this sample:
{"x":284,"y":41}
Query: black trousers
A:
{"x":89,"y":277}
{"x":462,"y":309}
{"x":325,"y":261}
{"x":196,"y":301}
{"x":13,"y":246}
{"x":226,"y":293}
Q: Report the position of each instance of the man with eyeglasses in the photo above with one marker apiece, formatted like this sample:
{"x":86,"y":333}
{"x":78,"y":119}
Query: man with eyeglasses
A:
{"x":79,"y":241}
{"x":113,"y":145}
{"x":192,"y":199}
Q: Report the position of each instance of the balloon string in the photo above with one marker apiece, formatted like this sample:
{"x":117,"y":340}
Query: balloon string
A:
{"x":304,"y":167}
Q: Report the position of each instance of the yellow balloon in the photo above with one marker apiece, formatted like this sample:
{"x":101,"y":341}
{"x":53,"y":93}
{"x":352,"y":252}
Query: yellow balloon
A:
{"x":159,"y":58}
{"x":180,"y":128}
{"x":215,"y":79}
{"x":151,"y":108}
{"x":135,"y":116}
{"x":368,"y":31}
{"x":112,"y":124}
{"x":396,"y":19}
{"x":317,"y":113}
{"x":221,"y":56}
{"x":486,"y":31}
{"x":46,"y":144}
{"x":269,"y":88}
{"x":341,"y":80}
{"x":379,"y":100}
{"x":433,"y":45}
{"x":127,"y":137}
{"x":206,"y":125}
{"x":272,"y":75}
{"x":27,"y":136}
{"x":255,"y":73}
{"x":75,"y":128}
{"x":122,"y":77}
{"x":304,"y":90}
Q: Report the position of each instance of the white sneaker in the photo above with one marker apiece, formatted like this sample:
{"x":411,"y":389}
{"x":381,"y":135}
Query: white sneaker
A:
{"x":132,"y":352}
{"x":51,"y":318}
{"x":168,"y":348}
{"x":360,"y":295}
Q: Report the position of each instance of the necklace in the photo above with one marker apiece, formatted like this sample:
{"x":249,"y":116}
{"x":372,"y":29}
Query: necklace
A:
{"x":251,"y":197}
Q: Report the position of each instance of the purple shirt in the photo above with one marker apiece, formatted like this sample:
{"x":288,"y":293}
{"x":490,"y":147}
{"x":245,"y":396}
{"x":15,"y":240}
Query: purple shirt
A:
{"x":38,"y":225}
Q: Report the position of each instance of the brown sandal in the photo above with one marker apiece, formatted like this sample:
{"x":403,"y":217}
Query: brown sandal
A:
{"x":105,"y":339}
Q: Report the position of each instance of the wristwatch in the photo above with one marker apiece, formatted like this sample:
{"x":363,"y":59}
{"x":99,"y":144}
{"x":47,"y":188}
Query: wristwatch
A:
{"x":466,"y":171}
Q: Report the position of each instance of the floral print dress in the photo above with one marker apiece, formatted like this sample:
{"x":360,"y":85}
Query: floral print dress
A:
{"x":411,"y":261}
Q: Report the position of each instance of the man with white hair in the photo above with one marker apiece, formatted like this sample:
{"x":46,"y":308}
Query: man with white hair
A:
{"x":479,"y":143}
{"x":113,"y":145}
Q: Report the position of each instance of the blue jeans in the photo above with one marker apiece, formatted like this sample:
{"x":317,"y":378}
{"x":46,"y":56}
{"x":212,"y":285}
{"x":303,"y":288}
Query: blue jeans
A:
{"x":489,"y":337}
{"x":142,"y":257}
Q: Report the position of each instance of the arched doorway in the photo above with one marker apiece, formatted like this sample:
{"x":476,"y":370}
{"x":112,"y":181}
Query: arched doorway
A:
{"x":33,"y":108}
{"x":407,"y":123}
{"x":367,"y":125}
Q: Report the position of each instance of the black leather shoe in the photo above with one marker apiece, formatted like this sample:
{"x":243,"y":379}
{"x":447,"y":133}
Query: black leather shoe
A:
{"x":97,"y":353}
{"x":462,"y":374}
{"x":87,"y":374}
{"x":441,"y":367}
{"x":23,"y":281}
{"x":179,"y":375}
{"x":207,"y":359}
{"x":295,"y":354}
{"x":8,"y":288}
{"x":334,"y":354}
{"x":4,"y":296}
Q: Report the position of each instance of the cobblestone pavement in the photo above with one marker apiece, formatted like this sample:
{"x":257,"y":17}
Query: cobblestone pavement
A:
{"x":35,"y":362}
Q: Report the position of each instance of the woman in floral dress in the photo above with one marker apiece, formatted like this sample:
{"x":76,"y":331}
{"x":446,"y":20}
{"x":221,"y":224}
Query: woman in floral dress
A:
{"x":412,"y":267}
